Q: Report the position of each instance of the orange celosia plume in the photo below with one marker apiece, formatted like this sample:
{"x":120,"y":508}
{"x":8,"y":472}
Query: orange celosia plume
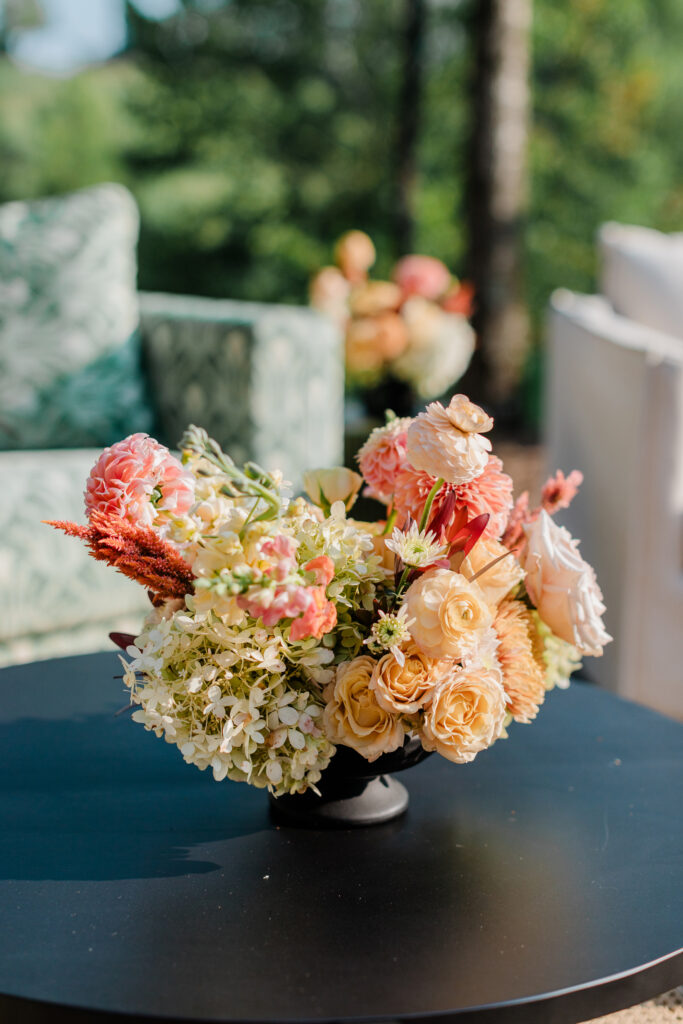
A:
{"x":136,"y":551}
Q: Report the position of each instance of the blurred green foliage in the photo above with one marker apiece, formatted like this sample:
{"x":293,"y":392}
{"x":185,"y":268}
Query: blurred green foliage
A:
{"x":253,"y":132}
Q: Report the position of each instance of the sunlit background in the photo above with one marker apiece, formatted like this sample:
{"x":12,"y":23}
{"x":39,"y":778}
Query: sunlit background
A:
{"x":253,"y":132}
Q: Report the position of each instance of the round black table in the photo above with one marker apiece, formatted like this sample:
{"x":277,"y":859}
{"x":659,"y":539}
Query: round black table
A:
{"x":541,"y":884}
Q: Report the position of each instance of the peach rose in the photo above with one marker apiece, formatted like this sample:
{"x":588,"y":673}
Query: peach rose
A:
{"x":449,"y":613}
{"x":447,"y":443}
{"x":563,"y":586}
{"x":404,"y":689}
{"x":467,"y":714}
{"x":352,"y":715}
{"x":499,"y":580}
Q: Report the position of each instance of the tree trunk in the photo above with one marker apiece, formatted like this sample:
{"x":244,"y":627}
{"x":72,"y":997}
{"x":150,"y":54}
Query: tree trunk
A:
{"x":496,"y":200}
{"x":409,"y":109}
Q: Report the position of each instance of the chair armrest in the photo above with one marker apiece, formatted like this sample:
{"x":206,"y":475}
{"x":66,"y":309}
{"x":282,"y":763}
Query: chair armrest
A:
{"x":266,"y":381}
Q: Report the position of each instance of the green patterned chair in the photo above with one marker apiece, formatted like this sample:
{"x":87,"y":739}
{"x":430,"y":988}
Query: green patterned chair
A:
{"x":84,"y":360}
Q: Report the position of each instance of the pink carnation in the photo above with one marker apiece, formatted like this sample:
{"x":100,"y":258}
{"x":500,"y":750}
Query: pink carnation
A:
{"x":135,"y":477}
{"x":490,"y":492}
{"x":382,"y":458}
{"x":422,"y":275}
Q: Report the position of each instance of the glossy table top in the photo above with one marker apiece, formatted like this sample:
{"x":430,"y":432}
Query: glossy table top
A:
{"x":541,"y":884}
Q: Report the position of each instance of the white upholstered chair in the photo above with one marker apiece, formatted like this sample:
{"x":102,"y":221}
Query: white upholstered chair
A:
{"x":614,"y":409}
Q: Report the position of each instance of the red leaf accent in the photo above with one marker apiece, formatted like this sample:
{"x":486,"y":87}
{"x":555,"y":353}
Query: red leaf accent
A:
{"x":136,"y":551}
{"x":122,"y":640}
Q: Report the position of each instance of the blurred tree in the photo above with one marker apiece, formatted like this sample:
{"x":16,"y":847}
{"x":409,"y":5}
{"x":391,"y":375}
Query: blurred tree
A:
{"x":267,"y":137}
{"x":497,"y":194}
{"x":254,"y":132}
{"x":408,"y":128}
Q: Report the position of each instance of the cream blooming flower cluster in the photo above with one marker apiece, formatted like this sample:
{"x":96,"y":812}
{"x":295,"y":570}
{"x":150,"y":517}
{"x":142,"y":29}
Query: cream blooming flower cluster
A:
{"x":281,"y":629}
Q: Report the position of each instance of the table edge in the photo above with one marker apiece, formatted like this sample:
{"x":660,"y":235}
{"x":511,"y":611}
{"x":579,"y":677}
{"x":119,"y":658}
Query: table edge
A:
{"x":566,"y":1006}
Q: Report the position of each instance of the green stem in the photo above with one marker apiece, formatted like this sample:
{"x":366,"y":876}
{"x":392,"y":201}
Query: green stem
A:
{"x":390,"y":523}
{"x":402,"y":582}
{"x":429,"y":502}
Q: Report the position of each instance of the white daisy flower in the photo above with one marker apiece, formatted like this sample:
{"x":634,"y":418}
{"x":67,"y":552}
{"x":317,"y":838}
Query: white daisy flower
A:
{"x":416,"y":547}
{"x":389,"y":632}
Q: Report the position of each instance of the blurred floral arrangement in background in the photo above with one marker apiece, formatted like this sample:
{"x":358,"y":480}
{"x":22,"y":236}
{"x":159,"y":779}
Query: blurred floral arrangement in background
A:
{"x":282,"y":627}
{"x":414,"y":327}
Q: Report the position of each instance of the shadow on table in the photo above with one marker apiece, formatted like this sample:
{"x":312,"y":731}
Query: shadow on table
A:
{"x":99,"y":798}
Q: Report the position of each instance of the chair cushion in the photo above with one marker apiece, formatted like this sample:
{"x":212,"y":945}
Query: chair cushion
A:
{"x":70,"y":371}
{"x":48,"y":582}
{"x":642,"y":275}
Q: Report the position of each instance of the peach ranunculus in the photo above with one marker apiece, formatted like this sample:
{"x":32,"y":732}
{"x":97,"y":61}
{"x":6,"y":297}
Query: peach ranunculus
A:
{"x":373,"y":340}
{"x":135,"y":479}
{"x":329,"y":292}
{"x":375,"y":297}
{"x":448,"y":442}
{"x":383,"y":456}
{"x":325,"y":486}
{"x":406,"y":688}
{"x":449,"y":614}
{"x":353,"y":716}
{"x":363,"y":353}
{"x":466,"y":715}
{"x":499,"y":580}
{"x":563,"y":587}
{"x":490,"y":492}
{"x":354,"y":254}
{"x":519,"y":654}
{"x":422,"y":275}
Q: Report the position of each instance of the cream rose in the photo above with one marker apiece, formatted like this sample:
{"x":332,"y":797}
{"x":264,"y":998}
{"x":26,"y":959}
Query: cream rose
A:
{"x":563,"y":586}
{"x":404,"y":689}
{"x":499,"y":580}
{"x":450,"y":614}
{"x":466,"y":715}
{"x":446,"y":442}
{"x":353,"y":716}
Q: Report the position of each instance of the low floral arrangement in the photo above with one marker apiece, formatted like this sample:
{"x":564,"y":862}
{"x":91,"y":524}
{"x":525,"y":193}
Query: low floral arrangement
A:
{"x":282,"y":628}
{"x":414,"y":327}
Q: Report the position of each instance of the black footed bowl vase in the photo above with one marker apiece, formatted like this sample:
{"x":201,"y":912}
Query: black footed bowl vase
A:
{"x":353,"y":791}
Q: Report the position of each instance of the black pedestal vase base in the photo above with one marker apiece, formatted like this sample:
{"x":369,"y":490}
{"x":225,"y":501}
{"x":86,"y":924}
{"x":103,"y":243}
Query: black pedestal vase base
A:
{"x":353,"y":791}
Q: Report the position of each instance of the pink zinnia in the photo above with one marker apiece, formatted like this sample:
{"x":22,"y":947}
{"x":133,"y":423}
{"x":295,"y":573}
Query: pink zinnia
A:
{"x":382,"y":458}
{"x":135,"y":477}
{"x":559,"y":491}
{"x":490,"y":492}
{"x":422,"y":275}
